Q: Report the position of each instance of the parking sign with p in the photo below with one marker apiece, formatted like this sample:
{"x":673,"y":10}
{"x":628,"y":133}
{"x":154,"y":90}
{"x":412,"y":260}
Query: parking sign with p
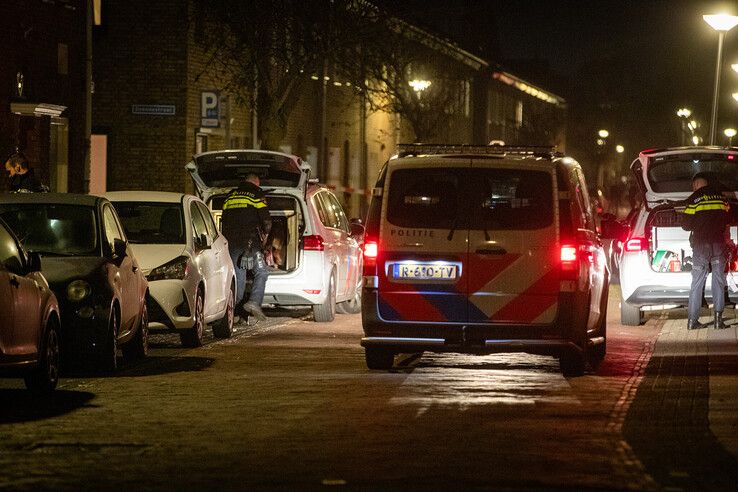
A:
{"x":209,"y":109}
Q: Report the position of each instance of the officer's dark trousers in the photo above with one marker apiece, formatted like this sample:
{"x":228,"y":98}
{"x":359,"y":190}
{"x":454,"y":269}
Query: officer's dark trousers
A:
{"x":241,"y":256}
{"x":705,"y":256}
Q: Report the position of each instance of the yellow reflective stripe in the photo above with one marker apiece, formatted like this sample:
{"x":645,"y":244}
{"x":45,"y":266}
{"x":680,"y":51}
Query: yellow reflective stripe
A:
{"x":243,"y":202}
{"x":693,"y":209}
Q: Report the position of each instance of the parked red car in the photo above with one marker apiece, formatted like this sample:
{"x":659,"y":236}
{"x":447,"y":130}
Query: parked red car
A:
{"x":29,"y":317}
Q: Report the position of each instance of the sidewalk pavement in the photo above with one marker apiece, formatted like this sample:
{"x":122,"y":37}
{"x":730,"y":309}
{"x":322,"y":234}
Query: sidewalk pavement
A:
{"x":683,"y":424}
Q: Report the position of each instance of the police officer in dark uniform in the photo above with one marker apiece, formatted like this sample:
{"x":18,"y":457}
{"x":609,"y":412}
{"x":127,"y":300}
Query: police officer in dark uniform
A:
{"x":707,"y":216}
{"x":245,"y":222}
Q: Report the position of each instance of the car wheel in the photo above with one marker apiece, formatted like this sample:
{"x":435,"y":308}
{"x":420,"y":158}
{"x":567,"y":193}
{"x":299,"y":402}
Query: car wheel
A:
{"x":630,"y":315}
{"x":45,"y":377}
{"x":379,"y":358}
{"x":193,"y":336}
{"x":138,"y":347}
{"x":572,"y":363}
{"x":326,"y":312}
{"x":353,"y":305}
{"x":223,"y":328}
{"x":107,"y":357}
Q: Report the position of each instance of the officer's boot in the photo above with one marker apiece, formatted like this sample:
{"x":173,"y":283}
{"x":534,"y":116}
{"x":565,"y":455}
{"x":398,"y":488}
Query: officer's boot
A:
{"x":719,"y":323}
{"x":694,"y":324}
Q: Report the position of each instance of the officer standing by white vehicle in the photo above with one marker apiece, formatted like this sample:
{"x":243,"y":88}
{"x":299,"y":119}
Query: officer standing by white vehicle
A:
{"x":706,"y":216}
{"x":244,"y":223}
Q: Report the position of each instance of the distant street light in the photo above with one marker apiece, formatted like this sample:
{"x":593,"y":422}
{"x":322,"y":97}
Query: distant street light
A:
{"x":619,"y":149}
{"x":684,"y":112}
{"x":730,"y":133}
{"x":603,"y":133}
{"x":735,"y":96}
{"x":722,"y":23}
{"x":696,"y":140}
{"x":419,"y":85}
{"x":734,"y":67}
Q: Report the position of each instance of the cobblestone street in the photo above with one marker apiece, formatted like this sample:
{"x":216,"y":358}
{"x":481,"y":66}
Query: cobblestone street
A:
{"x":289,"y":403}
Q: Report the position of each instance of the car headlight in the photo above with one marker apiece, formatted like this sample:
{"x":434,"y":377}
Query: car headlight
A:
{"x":78,"y":290}
{"x":173,"y":270}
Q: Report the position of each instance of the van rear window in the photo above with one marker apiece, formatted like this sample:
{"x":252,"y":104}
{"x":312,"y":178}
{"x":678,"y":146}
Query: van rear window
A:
{"x":511,"y":199}
{"x":480,"y":199}
{"x":424,"y":197}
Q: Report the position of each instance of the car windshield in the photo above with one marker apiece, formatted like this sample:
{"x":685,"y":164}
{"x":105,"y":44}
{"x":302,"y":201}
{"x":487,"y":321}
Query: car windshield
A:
{"x":152,"y":223}
{"x":53,"y":229}
{"x":672,"y":174}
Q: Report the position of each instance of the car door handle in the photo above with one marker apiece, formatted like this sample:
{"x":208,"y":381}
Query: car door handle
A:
{"x":491,"y":251}
{"x":14,"y":282}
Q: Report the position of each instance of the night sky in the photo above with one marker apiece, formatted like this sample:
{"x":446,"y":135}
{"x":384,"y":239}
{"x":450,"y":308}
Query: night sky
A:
{"x":623,"y":65}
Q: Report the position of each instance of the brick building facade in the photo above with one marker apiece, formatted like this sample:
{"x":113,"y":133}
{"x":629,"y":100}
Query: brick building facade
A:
{"x":44,"y":88}
{"x":151,"y":78}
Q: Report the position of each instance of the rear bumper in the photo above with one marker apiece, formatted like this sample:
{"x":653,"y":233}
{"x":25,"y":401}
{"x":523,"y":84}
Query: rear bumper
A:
{"x":474,"y":338}
{"x":649,"y":295}
{"x":541,"y":347}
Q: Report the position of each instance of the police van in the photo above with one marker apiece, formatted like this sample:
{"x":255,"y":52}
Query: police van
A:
{"x":483,"y":249}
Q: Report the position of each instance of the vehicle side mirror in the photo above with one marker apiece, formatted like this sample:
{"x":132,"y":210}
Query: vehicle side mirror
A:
{"x":119,"y":248}
{"x":612,"y":229}
{"x":357,"y":229}
{"x":34,"y":262}
{"x":203,"y":242}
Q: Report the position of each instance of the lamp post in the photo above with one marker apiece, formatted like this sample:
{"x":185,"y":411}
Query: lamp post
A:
{"x":730,"y":133}
{"x":722,"y":23}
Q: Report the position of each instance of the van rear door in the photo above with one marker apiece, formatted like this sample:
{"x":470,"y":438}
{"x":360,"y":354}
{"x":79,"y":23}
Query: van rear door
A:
{"x":513,"y":255}
{"x":423,"y":242}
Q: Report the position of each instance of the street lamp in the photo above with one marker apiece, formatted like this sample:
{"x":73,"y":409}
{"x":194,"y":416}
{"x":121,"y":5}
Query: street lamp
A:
{"x":722,"y":23}
{"x":730,"y":133}
{"x":734,"y":66}
{"x":603,"y":133}
{"x":419,"y":85}
{"x":735,"y":96}
{"x":619,"y":149}
{"x":683,"y":114}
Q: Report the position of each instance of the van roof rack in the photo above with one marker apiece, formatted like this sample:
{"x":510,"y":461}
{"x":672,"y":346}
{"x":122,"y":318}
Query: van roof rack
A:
{"x":416,"y":149}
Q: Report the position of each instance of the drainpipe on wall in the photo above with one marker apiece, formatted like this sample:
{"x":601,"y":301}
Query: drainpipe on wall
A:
{"x":323,"y":161}
{"x":255,"y":112}
{"x":88,"y":97}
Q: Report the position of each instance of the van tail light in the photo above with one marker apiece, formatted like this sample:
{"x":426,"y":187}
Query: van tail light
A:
{"x":371,"y":250}
{"x":313,"y":243}
{"x":635,"y":244}
{"x":569,"y":256}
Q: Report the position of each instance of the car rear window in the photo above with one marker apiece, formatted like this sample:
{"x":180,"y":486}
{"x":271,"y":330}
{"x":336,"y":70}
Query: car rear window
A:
{"x":480,"y":199}
{"x":671,"y":174}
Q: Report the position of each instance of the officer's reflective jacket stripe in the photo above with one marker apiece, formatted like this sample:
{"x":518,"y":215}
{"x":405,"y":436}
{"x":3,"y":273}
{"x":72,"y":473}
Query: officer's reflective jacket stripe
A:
{"x":245,"y":215}
{"x":243,"y":200}
{"x":706,"y":215}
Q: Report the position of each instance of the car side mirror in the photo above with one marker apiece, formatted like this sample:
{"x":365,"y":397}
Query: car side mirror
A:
{"x":203,"y":241}
{"x":119,"y":248}
{"x":357,"y":228}
{"x":34,"y":262}
{"x":612,"y":229}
